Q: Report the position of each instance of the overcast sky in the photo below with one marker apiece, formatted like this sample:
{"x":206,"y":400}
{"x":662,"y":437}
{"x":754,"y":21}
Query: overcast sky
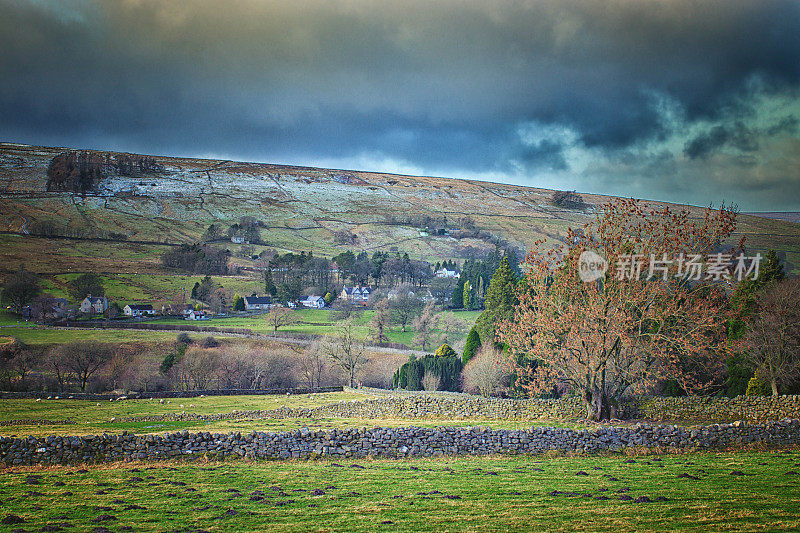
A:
{"x":686,"y":101}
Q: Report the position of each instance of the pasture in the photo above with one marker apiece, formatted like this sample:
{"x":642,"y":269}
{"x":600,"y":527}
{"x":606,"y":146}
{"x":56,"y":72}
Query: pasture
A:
{"x":95,"y":417}
{"x":726,"y":491}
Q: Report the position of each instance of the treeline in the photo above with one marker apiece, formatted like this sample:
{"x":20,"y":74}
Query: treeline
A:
{"x":81,"y":171}
{"x":470,"y":291}
{"x":185,"y":364}
{"x":383,"y":269}
{"x":287,"y":275}
{"x":248,"y":229}
{"x":49,"y":228}
{"x":197,"y":258}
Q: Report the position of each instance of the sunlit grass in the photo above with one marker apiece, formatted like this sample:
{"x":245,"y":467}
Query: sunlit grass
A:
{"x":446,"y":494}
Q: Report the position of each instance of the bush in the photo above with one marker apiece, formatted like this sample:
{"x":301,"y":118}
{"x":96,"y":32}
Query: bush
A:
{"x":757,"y":387}
{"x":485,"y":374}
{"x":184,"y":338}
{"x":430,"y":382}
{"x":209,"y":342}
{"x":411,"y":374}
{"x":445,"y":351}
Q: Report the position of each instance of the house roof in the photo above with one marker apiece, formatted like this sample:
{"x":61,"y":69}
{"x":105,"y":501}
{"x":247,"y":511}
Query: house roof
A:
{"x":140,"y":307}
{"x":313,"y":298}
{"x":362,"y":290}
{"x":95,"y":299}
{"x":258,"y":300}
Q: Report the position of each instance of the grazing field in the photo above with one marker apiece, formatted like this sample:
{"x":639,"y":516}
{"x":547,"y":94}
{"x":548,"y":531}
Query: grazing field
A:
{"x":48,"y":336}
{"x":731,"y":491}
{"x":311,"y":322}
{"x":93,"y":417}
{"x":319,"y":322}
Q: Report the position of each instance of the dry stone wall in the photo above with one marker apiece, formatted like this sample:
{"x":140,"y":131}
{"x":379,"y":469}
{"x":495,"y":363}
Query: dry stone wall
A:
{"x":719,"y":409}
{"x":386,"y":442}
{"x":467,"y":407}
{"x":463,"y":406}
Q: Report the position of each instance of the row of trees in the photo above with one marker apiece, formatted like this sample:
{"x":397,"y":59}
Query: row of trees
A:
{"x":196,"y":258}
{"x":191,"y":363}
{"x":81,"y":171}
{"x":470,"y":291}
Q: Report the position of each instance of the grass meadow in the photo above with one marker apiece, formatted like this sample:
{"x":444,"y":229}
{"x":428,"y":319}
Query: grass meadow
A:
{"x":93,"y":417}
{"x":726,"y":491}
{"x":311,"y":322}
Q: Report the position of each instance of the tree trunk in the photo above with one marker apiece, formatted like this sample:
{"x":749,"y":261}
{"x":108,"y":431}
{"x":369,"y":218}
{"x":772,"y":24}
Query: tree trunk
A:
{"x":774,"y":387}
{"x":599,"y":406}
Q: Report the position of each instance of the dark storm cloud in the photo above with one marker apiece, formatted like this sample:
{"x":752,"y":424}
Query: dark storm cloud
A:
{"x":738,"y":136}
{"x":444,"y":86}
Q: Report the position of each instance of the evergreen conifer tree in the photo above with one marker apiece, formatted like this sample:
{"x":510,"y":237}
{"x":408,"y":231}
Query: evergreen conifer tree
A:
{"x":472,"y":346}
{"x":500,"y":301}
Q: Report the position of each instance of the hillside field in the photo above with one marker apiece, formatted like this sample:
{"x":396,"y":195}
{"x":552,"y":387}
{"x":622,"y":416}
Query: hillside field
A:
{"x":122,"y":228}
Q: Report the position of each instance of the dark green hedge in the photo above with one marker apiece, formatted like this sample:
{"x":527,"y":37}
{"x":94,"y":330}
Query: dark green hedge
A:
{"x":410,"y":375}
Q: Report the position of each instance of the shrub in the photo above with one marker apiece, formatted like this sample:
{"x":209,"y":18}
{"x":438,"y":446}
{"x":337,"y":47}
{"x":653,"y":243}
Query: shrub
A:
{"x":445,"y":351}
{"x":209,"y":342}
{"x":430,"y":381}
{"x":411,"y":374}
{"x":757,"y":387}
{"x":485,"y":373}
{"x":184,"y":338}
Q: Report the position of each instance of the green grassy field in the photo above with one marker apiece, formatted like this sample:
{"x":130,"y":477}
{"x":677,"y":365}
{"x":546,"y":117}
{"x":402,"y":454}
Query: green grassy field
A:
{"x":556,"y":493}
{"x":47,"y":336}
{"x":319,"y":322}
{"x":92,"y":417}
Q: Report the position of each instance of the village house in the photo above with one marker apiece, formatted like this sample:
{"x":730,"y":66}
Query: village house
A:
{"x":316,"y":302}
{"x":444,"y":273}
{"x":356,"y":295}
{"x":194,"y":314}
{"x":94,"y":304}
{"x":138,"y":310}
{"x":254,"y":303}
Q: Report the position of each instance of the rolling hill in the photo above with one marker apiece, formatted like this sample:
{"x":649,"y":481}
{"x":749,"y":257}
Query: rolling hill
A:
{"x":125,"y":220}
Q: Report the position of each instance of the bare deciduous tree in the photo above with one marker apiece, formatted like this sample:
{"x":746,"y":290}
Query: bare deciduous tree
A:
{"x":85,"y":358}
{"x":452,"y":328}
{"x":772,"y":341}
{"x":404,"y":306}
{"x":430,"y":381}
{"x":312,"y":364}
{"x":57,"y":362}
{"x":346,"y":351}
{"x":279,"y":317}
{"x":198,"y":367}
{"x":425,"y":324}
{"x":380,"y":322}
